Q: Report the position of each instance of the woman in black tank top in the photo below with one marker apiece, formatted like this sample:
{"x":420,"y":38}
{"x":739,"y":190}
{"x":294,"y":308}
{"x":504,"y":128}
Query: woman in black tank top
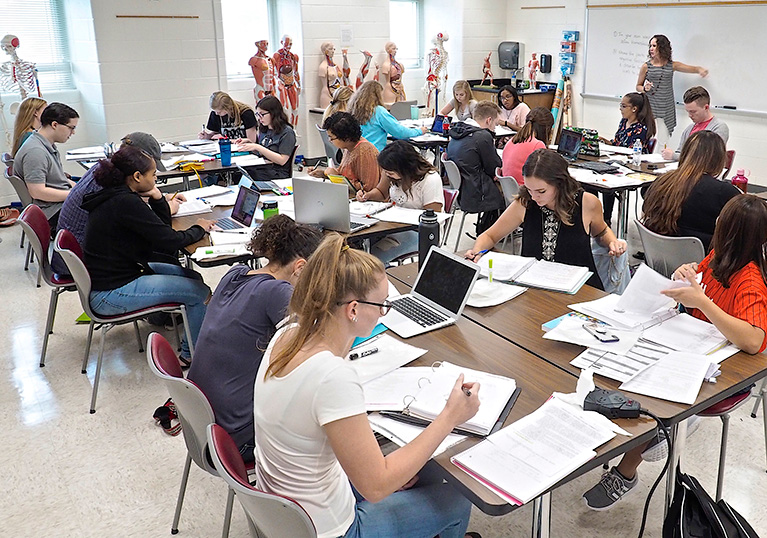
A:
{"x":559,"y":218}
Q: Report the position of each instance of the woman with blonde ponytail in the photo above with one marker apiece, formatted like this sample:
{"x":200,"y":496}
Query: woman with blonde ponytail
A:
{"x":312,"y":433}
{"x":534,"y":134}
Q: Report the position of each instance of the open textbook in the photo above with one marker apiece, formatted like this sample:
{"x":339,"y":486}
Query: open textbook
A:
{"x":534,"y":273}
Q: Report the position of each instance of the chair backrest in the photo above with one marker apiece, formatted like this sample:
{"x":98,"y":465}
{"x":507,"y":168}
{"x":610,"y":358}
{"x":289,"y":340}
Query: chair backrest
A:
{"x":401,"y":110}
{"x":272,"y":515}
{"x":72,"y":254}
{"x":333,"y":154}
{"x":19,"y":186}
{"x":651,"y":145}
{"x":450,"y":196}
{"x":728,"y":163}
{"x":194,"y":410}
{"x":509,"y":186}
{"x":38,"y":230}
{"x":291,"y":160}
{"x":665,"y":254}
{"x":7,"y":160}
{"x":453,"y":174}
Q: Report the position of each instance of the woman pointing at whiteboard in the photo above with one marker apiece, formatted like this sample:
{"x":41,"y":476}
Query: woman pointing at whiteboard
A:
{"x":656,"y":79}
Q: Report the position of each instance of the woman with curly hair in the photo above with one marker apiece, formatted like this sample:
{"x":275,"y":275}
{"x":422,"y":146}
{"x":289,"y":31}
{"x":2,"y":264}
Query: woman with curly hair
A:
{"x":241,"y":318}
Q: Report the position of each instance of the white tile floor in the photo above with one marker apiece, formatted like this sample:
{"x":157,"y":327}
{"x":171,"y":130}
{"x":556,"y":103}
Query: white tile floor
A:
{"x":71,"y":474}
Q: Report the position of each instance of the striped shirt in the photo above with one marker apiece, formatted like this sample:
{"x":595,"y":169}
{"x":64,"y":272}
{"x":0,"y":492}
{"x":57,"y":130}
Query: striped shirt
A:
{"x":745,"y":299}
{"x":661,"y":95}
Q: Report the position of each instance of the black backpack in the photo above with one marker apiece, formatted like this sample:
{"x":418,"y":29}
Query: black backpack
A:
{"x":694,"y":514}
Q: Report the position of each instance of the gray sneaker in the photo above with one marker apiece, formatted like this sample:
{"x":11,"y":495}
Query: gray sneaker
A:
{"x":611,"y":488}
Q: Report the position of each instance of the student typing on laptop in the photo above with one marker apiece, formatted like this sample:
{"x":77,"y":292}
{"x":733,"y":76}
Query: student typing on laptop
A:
{"x":313,"y":439}
{"x":409,"y":181}
{"x":559,"y":218}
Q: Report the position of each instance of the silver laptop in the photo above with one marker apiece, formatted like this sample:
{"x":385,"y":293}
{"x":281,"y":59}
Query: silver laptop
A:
{"x":438,"y":296}
{"x":242,"y":213}
{"x":326,"y":204}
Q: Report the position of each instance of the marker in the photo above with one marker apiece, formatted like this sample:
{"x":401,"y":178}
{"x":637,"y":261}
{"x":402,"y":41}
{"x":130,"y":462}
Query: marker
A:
{"x":727,"y":107}
{"x":490,"y":270}
{"x":224,"y":251}
{"x":366,"y":353}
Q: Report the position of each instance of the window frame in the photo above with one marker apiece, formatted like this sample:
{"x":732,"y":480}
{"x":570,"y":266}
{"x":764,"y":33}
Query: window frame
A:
{"x":419,"y":61}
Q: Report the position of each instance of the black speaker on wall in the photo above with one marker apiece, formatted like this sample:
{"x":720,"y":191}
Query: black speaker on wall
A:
{"x":545,"y":63}
{"x":508,"y":55}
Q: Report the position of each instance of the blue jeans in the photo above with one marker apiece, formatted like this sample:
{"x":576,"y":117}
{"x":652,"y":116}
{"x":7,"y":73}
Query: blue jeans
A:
{"x":428,"y":509}
{"x":169,"y":284}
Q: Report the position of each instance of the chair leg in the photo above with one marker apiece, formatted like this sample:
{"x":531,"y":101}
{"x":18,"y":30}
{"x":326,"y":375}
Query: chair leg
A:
{"x":722,"y":455}
{"x":39,"y":275}
{"x":49,"y":322}
{"x":28,"y":259}
{"x":447,"y":229}
{"x":764,"y":418}
{"x":87,"y":347}
{"x":188,"y":332}
{"x":228,"y":513}
{"x":21,"y":244}
{"x":759,"y":397}
{"x":138,"y":336}
{"x":181,"y":493}
{"x":175,"y":331}
{"x":460,"y":229}
{"x":97,"y":376}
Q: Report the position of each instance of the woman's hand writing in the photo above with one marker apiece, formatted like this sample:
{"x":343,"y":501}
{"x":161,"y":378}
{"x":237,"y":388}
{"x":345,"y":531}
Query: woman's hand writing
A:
{"x":463,"y":402}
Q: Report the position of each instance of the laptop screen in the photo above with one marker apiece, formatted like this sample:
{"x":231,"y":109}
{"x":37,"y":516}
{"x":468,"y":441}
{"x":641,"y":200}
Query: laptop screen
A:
{"x":245,"y":206}
{"x":445,"y":280}
{"x":570,"y":144}
{"x":436,"y":127}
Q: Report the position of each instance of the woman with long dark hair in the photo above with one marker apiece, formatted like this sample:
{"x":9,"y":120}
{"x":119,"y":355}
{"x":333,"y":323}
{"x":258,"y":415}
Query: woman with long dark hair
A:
{"x":276,"y":140}
{"x":533,"y":135}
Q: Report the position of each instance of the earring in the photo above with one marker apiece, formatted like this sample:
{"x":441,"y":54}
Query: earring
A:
{"x":354,"y":319}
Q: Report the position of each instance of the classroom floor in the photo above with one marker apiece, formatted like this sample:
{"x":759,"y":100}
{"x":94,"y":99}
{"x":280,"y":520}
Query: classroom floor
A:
{"x":71,"y":474}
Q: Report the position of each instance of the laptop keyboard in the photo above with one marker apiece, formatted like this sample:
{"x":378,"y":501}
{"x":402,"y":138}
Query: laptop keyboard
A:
{"x":355,"y":225}
{"x":421,"y":314}
{"x":226,"y":224}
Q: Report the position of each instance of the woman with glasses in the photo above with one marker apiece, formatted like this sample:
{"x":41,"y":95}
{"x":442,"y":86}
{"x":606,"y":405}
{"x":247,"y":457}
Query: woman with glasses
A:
{"x":313,"y":439}
{"x":229,"y":119}
{"x":513,"y":111}
{"x":276,"y":140}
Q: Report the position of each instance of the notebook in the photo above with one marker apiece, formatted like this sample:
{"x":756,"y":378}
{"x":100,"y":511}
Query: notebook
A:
{"x":569,"y":144}
{"x":534,"y":273}
{"x":439,"y":294}
{"x":326,"y":204}
{"x":242,"y":213}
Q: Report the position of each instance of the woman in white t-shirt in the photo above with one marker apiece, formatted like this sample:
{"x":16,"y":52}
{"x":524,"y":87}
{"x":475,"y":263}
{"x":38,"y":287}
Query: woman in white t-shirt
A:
{"x":312,"y":433}
{"x":408,"y":180}
{"x":463,"y":102}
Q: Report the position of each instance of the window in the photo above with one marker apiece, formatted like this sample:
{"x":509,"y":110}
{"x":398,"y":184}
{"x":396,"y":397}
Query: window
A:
{"x":406,"y":31}
{"x":244,"y":22}
{"x":41,"y":29}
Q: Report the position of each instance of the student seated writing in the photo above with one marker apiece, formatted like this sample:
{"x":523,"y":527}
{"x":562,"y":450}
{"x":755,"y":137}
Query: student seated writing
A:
{"x":687,"y":201}
{"x":360,"y":158}
{"x":513,"y":111}
{"x":275,"y":143}
{"x":732,"y":295}
{"x":463,"y":102}
{"x":123,"y":235}
{"x":229,"y":119}
{"x":533,"y":135}
{"x":409,"y":181}
{"x":559,"y":218}
{"x":697,"y":103}
{"x":313,"y":439}
{"x":242,"y":317}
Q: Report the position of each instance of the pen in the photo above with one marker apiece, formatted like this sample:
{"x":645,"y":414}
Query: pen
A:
{"x":490,"y":269}
{"x":366,"y":353}
{"x":465,"y":389}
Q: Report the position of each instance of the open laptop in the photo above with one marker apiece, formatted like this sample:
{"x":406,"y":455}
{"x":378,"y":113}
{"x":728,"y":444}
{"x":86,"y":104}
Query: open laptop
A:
{"x":326,"y":204}
{"x":436,"y":127}
{"x":243,"y":211}
{"x":570,"y":144}
{"x":439,"y":294}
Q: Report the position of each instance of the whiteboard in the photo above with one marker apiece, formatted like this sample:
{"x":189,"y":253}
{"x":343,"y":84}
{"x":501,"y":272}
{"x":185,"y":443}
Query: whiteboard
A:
{"x":729,"y":41}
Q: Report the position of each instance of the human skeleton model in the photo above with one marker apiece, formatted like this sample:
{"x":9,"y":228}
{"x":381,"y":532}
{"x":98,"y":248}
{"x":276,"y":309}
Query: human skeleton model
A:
{"x":436,"y":79}
{"x":532,"y":69}
{"x":288,"y":79}
{"x":332,"y":76}
{"x":263,"y":71}
{"x":486,"y":71}
{"x":393,"y":91}
{"x":16,"y":75}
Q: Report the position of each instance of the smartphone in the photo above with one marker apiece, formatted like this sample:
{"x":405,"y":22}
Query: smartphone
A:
{"x":600,"y":332}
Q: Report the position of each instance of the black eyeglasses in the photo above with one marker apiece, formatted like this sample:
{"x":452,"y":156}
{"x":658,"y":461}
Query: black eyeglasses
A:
{"x":383,"y":307}
{"x":71,"y":127}
{"x":262,"y":114}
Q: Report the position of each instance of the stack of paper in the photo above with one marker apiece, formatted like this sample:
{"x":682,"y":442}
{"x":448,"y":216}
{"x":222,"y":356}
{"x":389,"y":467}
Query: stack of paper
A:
{"x":231,"y":237}
{"x":407,"y":216}
{"x":677,"y":377}
{"x":606,"y":148}
{"x":385,"y":355}
{"x":192,"y":207}
{"x":401,"y":433}
{"x":248,"y":160}
{"x":86,"y":154}
{"x":486,"y":293}
{"x":534,"y":273}
{"x":363,"y":209}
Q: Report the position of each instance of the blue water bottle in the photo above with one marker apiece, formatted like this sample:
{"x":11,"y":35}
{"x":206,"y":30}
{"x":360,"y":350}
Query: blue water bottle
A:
{"x":225,"y":147}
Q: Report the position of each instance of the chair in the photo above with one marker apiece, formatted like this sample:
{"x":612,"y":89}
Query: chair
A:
{"x":510,"y":189}
{"x":451,"y":197}
{"x":69,"y":249}
{"x":664,"y":254}
{"x":454,"y":178}
{"x":291,"y":160}
{"x":401,"y":110}
{"x":37,"y":229}
{"x":728,"y":163}
{"x":194,"y":413}
{"x":24,"y":197}
{"x":651,"y":145}
{"x":333,"y":154}
{"x":268,"y":514}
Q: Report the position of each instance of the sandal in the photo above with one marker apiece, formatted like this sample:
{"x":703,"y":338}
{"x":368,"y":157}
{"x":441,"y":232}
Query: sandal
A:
{"x":8,"y":216}
{"x":164,"y":415}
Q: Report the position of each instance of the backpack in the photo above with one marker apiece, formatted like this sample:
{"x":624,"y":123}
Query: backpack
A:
{"x":694,"y":514}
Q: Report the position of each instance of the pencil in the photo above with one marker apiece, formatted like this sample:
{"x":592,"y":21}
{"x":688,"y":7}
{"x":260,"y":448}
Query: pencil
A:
{"x":174,"y":195}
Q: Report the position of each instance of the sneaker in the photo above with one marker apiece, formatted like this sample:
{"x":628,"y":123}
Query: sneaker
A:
{"x":657,"y":450}
{"x":612,"y":487}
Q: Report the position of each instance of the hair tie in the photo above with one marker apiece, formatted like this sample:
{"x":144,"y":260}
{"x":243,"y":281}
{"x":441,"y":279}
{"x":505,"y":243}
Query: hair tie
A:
{"x":344,"y":248}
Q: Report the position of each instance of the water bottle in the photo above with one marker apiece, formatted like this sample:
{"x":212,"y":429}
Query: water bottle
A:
{"x":428,"y":234}
{"x":636,"y":153}
{"x":740,"y":180}
{"x":225,"y":147}
{"x":270,"y":209}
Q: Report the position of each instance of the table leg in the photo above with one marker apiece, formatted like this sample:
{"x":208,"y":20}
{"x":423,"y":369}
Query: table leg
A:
{"x":622,"y":214}
{"x":678,"y":435}
{"x":542,"y":516}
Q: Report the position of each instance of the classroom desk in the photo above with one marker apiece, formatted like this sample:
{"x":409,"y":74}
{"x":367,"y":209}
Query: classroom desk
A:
{"x":468,"y":344}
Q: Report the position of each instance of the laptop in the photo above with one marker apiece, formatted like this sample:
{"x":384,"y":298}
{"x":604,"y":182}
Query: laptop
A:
{"x":439,"y":294}
{"x":570,"y":144}
{"x":242,"y":213}
{"x":247,"y":181}
{"x":439,"y":120}
{"x":326,"y":204}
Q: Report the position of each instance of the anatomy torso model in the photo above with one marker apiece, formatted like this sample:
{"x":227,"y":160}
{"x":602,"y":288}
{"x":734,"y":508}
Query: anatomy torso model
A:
{"x":288,"y":79}
{"x":392,"y":70}
{"x":436,"y":79}
{"x":329,"y":73}
{"x":263,"y":71}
